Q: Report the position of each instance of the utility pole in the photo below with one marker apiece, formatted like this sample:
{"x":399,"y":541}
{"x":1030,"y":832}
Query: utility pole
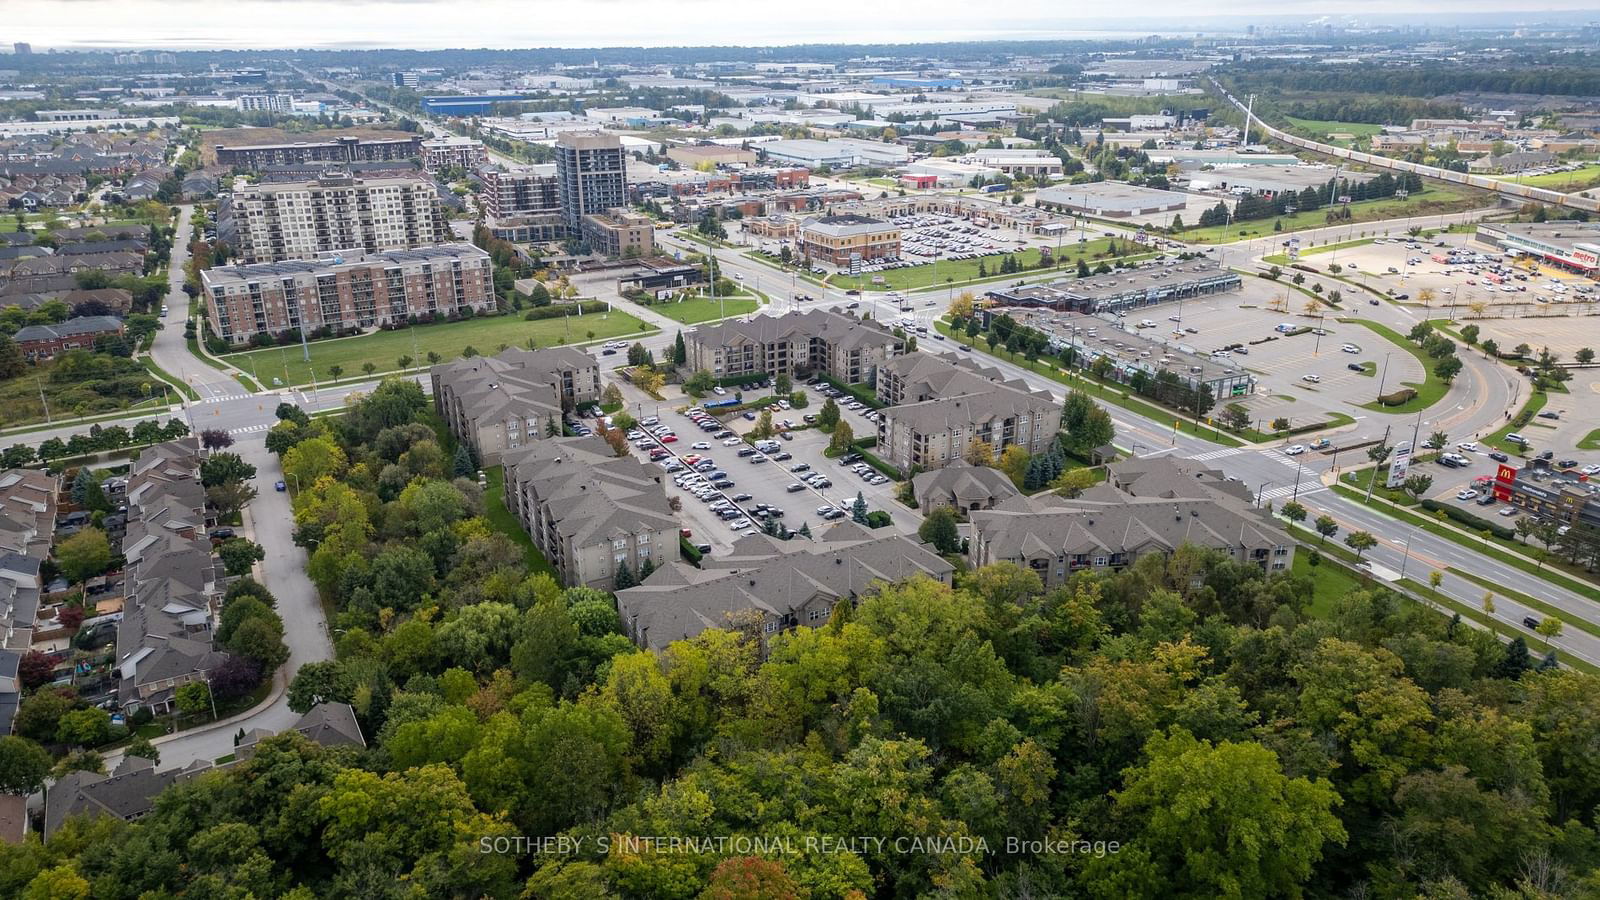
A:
{"x":42,"y":400}
{"x":1373,"y":480}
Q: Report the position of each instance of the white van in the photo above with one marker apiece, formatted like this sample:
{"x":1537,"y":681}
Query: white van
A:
{"x":1516,"y":438}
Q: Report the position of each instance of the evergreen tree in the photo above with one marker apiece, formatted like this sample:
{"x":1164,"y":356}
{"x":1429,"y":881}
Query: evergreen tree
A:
{"x":646,"y":568}
{"x":1083,"y":267}
{"x":680,"y":352}
{"x":858,"y":510}
{"x":624,"y":577}
{"x":462,"y":467}
{"x":1515,"y":661}
{"x":805,"y":530}
{"x":551,"y":429}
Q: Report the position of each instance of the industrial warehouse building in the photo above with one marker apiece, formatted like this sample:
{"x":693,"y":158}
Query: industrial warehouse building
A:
{"x":1111,"y":200}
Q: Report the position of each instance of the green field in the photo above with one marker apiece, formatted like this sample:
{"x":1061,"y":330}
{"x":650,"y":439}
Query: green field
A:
{"x":704,"y":309}
{"x":1321,"y":128}
{"x":1536,"y":402}
{"x":384,"y":348}
{"x":1591,"y":441}
{"x":1432,"y":389}
{"x":1435,"y":200}
{"x":966,"y":270}
{"x":1581,"y":180}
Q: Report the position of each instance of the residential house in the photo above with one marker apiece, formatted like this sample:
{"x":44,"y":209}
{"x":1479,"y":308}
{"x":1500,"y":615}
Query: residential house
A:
{"x":38,"y":342}
{"x":128,"y":793}
{"x":328,"y":724}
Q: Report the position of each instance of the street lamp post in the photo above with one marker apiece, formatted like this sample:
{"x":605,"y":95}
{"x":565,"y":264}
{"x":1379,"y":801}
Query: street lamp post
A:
{"x":1259,"y":489}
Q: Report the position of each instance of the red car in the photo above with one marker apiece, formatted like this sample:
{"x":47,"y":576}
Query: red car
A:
{"x":668,"y":439}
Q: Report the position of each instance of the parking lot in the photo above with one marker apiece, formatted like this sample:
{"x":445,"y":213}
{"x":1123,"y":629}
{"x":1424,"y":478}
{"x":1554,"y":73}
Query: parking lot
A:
{"x":747,"y":485}
{"x":1485,"y":278}
{"x":1282,"y":364}
{"x":1467,"y":483}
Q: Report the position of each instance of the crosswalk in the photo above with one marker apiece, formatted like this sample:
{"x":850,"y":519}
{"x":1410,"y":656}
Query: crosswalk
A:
{"x":1278,"y":456}
{"x":1216,"y":454}
{"x":250,"y":429}
{"x":1288,"y":490}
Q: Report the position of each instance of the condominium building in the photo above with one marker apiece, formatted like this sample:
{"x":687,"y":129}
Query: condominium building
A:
{"x":772,"y":585}
{"x":589,"y":511}
{"x":274,"y":103}
{"x":591,"y":175}
{"x":350,"y":291}
{"x":839,"y":239}
{"x":502,"y":403}
{"x":453,"y":152}
{"x":337,"y":150}
{"x":301,"y":219}
{"x":619,"y":233}
{"x":1153,"y":505}
{"x":523,"y":203}
{"x":843,"y":347}
{"x":939,"y":405}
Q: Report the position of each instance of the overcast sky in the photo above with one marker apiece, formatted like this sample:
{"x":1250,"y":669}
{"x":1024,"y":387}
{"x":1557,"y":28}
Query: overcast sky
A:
{"x":431,"y":24}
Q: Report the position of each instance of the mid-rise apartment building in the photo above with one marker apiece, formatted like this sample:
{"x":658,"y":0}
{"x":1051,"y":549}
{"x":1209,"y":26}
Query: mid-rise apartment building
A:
{"x":355,"y":290}
{"x":453,"y":152}
{"x":589,"y":511}
{"x":773,"y":585}
{"x":591,"y":175}
{"x":838,"y":239}
{"x":338,"y":150}
{"x":619,"y":233}
{"x":273,"y":103}
{"x":1146,"y":506}
{"x":335,"y":213}
{"x":523,"y":203}
{"x":939,"y":405}
{"x":502,"y":403}
{"x":843,"y":347}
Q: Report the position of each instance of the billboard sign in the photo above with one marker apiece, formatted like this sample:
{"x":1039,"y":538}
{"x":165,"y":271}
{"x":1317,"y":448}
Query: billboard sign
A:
{"x":1399,"y":464}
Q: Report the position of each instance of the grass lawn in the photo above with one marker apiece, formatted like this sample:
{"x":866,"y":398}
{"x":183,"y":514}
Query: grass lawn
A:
{"x":704,"y":309}
{"x":966,"y":270}
{"x":1581,"y":180}
{"x":502,"y":521}
{"x":1536,"y":402}
{"x":1116,"y":395}
{"x":1432,"y":389}
{"x":384,"y":348}
{"x":1434,"y":200}
{"x":177,"y":383}
{"x":1591,"y":441}
{"x":1328,"y":579}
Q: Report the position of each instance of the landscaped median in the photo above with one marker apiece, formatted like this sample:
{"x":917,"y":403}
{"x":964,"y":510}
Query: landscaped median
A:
{"x":1430,"y":391}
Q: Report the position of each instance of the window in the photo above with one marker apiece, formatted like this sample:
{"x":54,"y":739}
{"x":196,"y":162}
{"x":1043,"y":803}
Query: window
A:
{"x":1099,"y":560}
{"x":771,"y":627}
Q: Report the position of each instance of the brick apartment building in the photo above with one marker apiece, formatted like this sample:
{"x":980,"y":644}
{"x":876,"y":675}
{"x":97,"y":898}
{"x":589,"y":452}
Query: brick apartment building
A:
{"x":356,"y":290}
{"x":39,"y":342}
{"x":301,"y":219}
{"x":835,"y":239}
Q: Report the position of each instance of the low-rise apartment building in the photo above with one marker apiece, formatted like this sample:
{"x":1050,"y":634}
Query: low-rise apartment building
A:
{"x":839,"y":239}
{"x":349,"y":291}
{"x":939,"y":405}
{"x":27,"y":528}
{"x":772,"y":585}
{"x":502,"y":403}
{"x":843,"y":347}
{"x":1148,"y":506}
{"x":591,"y":512}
